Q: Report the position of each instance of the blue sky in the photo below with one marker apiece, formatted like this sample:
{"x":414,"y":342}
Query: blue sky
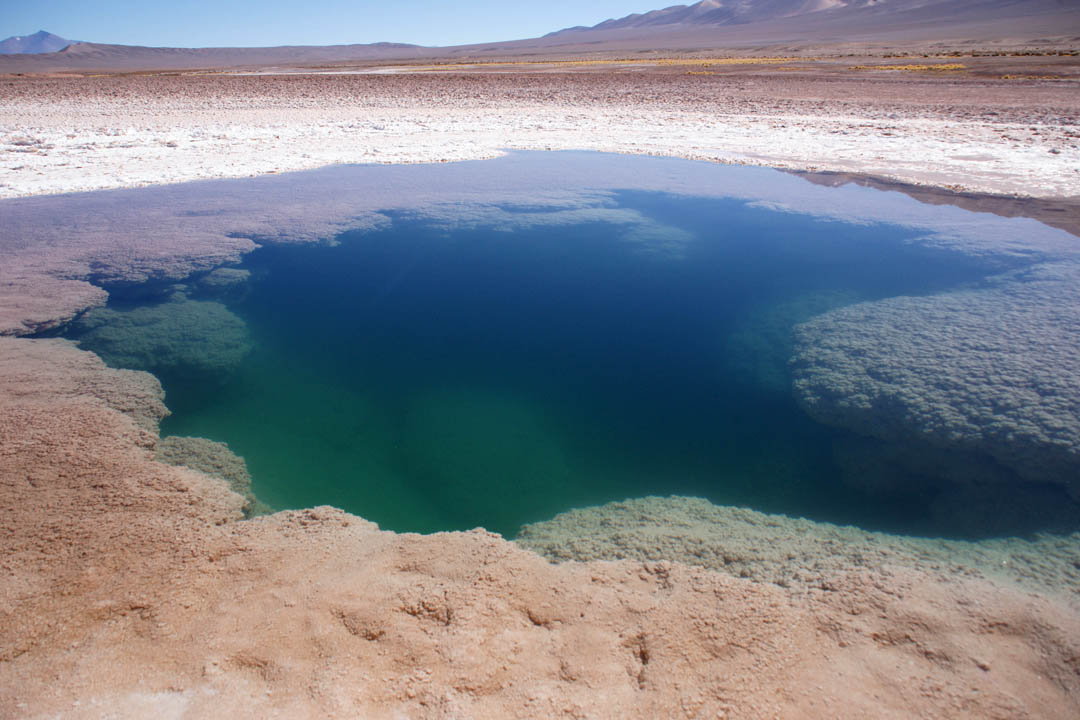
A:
{"x":204,"y":23}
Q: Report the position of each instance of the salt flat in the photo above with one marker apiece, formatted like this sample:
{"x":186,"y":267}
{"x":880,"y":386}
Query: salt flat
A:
{"x":970,"y":130}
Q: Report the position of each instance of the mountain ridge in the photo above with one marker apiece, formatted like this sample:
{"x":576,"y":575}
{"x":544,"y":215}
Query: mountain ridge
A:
{"x":35,"y":44}
{"x":721,"y":13}
{"x":711,"y":25}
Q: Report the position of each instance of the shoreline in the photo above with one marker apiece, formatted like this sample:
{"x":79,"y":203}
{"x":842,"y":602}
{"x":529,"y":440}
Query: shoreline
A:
{"x":1062,"y":213}
{"x":970,"y":134}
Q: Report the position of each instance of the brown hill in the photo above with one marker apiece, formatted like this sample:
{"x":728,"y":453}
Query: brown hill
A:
{"x":850,"y":15}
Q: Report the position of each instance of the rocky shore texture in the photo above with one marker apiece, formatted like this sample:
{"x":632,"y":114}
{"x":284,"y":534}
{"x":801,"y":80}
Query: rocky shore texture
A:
{"x":131,"y":587}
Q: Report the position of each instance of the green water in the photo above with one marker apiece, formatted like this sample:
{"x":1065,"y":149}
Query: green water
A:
{"x":491,"y":366}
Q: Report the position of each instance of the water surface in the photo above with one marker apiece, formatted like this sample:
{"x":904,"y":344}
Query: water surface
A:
{"x":440,"y":375}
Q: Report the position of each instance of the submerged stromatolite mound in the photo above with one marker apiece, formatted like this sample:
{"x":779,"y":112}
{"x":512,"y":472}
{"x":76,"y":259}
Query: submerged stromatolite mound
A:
{"x":179,"y":337}
{"x":758,"y":348}
{"x":222,"y":282}
{"x":215,"y":459}
{"x":791,"y":552}
{"x":993,"y":370}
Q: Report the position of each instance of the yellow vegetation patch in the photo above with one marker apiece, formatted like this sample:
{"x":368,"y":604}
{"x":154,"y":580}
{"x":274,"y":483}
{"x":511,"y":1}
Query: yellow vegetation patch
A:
{"x":1033,"y":77}
{"x":703,"y":62}
{"x":726,"y":61}
{"x":912,"y":67}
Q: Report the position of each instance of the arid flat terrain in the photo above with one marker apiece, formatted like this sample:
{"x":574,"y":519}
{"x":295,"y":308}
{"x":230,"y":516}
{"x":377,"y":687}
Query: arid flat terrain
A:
{"x":132,"y":588}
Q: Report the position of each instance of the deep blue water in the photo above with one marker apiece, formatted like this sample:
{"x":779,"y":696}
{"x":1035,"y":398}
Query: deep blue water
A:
{"x":437,"y":374}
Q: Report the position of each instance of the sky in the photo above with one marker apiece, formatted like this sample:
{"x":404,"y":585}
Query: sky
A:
{"x":253,"y":23}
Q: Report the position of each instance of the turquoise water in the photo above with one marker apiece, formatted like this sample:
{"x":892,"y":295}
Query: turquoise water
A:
{"x":494,"y":365}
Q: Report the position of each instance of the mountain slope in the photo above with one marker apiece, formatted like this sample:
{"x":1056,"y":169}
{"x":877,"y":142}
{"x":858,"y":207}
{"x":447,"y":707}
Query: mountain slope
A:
{"x":721,"y":12}
{"x":838,"y":13}
{"x":39,"y":42}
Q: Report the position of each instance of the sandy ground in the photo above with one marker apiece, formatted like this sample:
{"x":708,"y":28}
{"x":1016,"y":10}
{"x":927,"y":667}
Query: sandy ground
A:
{"x":966,"y":129}
{"x":130,"y":588}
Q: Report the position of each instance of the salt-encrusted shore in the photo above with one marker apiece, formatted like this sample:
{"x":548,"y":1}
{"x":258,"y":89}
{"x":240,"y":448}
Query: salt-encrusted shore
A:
{"x":982,"y":134}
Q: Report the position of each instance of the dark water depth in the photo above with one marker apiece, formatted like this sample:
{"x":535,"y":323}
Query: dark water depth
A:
{"x":440,"y":375}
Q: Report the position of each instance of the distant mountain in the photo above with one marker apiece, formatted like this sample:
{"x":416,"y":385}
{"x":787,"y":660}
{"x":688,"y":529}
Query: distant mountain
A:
{"x":860,"y":14}
{"x":97,"y":56}
{"x":39,"y":42}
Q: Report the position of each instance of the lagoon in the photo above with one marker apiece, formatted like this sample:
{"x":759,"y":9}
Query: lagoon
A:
{"x":498,"y":359}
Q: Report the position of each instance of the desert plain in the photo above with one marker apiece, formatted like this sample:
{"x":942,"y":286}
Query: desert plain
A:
{"x":133,"y":586}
